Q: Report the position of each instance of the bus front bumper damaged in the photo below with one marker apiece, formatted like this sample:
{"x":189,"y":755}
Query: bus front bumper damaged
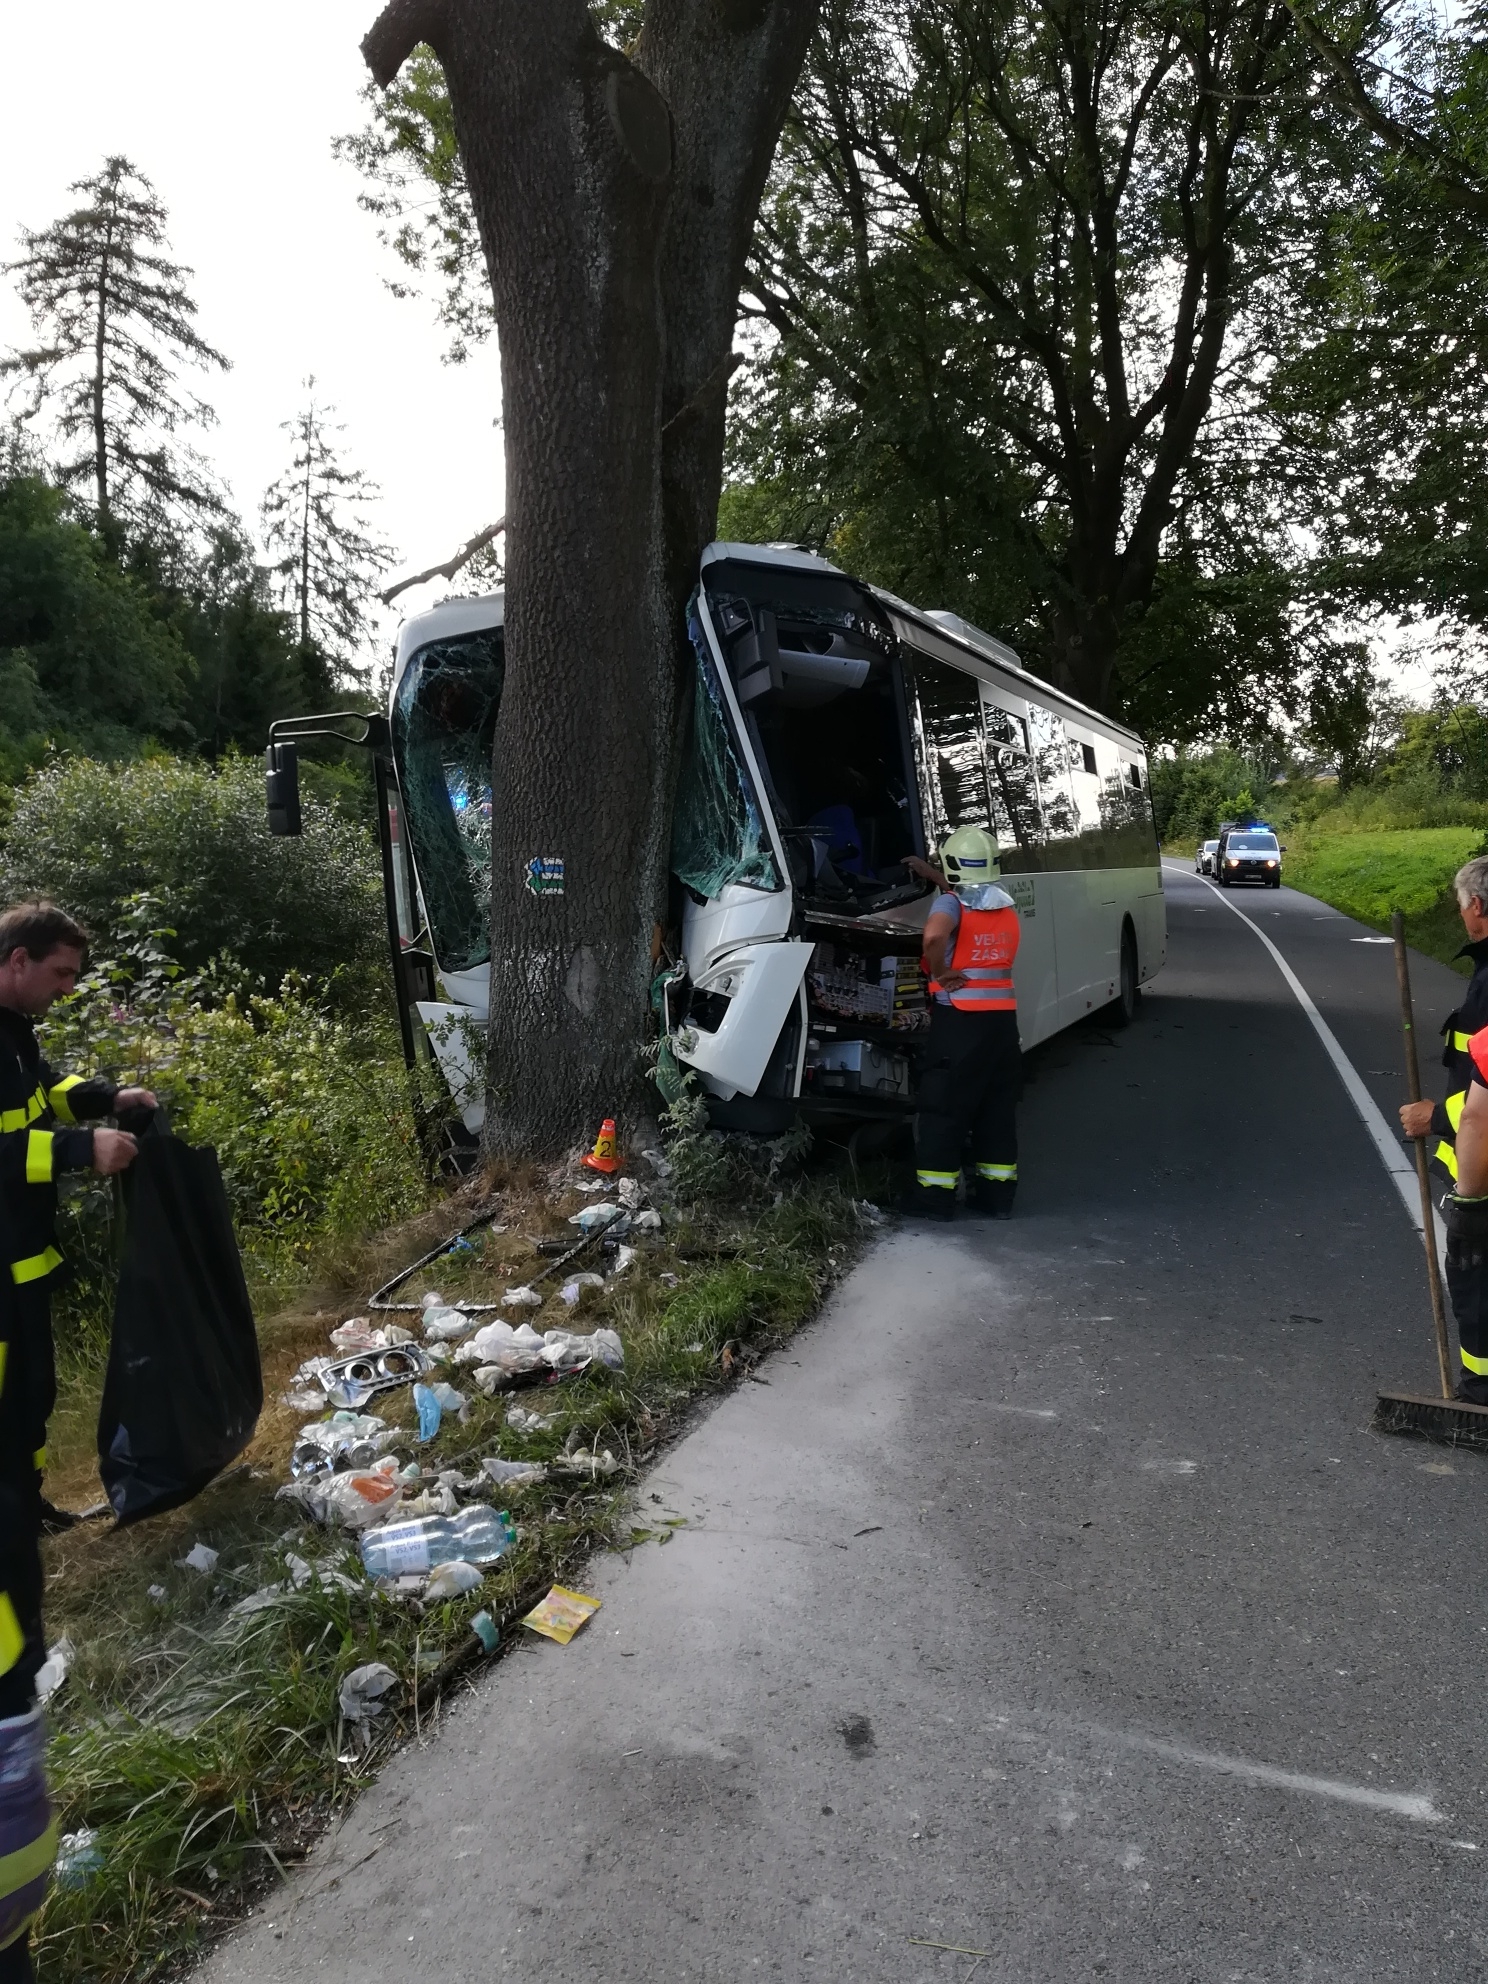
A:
{"x":736,"y":1014}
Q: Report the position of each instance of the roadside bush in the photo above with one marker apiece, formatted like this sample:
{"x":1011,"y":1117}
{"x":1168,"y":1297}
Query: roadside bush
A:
{"x":94,"y":836}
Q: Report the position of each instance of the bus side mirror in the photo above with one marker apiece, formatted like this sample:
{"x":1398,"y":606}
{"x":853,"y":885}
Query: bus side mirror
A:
{"x":282,"y":788}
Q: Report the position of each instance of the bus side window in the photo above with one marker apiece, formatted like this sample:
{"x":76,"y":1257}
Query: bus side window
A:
{"x":950,"y":724}
{"x":1051,"y":767}
{"x":1015,"y":807}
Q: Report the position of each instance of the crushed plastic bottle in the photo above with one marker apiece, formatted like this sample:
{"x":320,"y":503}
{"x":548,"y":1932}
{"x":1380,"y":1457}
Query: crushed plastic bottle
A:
{"x":476,"y":1536}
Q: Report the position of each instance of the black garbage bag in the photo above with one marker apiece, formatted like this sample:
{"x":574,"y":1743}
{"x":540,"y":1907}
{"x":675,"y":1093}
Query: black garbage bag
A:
{"x":184,"y":1388}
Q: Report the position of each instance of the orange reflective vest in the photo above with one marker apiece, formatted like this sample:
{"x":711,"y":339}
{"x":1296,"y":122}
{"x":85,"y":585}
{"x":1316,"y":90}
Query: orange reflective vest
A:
{"x":986,"y":944}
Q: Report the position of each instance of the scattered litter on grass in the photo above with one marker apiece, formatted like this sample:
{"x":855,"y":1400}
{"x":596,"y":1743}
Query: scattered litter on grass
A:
{"x":354,"y":1501}
{"x":79,"y":1858}
{"x":572,"y":1290}
{"x":486,"y":1631}
{"x":522,"y":1421}
{"x":200,"y":1557}
{"x":510,"y":1472}
{"x":362,"y":1690}
{"x":598,"y":1219}
{"x":429,"y":1410}
{"x":625,"y":1260}
{"x":478,"y":1535}
{"x":351,"y":1381}
{"x":157,"y":1594}
{"x":560,"y":1615}
{"x":522,"y":1297}
{"x":450,"y":1580}
{"x":55,"y":1669}
{"x":345,"y":1439}
{"x":359,"y":1333}
{"x":648,"y":1221}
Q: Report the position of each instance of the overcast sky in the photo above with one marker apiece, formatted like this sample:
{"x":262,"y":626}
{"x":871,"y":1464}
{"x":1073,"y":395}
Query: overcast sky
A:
{"x":232,"y":114}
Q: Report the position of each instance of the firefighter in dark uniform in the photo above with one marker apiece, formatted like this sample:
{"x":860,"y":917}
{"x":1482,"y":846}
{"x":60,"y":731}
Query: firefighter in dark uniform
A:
{"x":43,"y":1133}
{"x":973,"y":1063}
{"x":1467,"y":1267}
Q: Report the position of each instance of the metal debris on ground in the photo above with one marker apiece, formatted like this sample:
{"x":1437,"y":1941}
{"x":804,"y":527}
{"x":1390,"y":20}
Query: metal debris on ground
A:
{"x":560,"y":1615}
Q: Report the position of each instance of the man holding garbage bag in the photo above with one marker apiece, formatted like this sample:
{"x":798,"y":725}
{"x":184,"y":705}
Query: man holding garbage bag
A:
{"x":43,"y":1133}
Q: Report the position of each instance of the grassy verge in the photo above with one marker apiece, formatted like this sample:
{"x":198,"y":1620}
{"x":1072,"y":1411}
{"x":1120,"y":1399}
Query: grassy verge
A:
{"x":1369,"y":874}
{"x":205,"y":1745}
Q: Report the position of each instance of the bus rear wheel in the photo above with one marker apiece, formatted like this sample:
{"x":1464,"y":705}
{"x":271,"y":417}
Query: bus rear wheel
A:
{"x":1123,"y":1008}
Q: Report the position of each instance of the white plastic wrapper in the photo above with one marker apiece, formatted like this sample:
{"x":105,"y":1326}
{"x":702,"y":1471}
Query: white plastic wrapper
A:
{"x":572,"y":1290}
{"x":521,"y":1298}
{"x":363,"y":1689}
{"x":508,"y":1473}
{"x":201,"y":1557}
{"x":349,"y":1501}
{"x":449,"y":1580}
{"x":446,"y":1325}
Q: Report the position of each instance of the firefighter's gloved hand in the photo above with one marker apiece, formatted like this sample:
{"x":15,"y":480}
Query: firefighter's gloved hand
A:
{"x":1465,"y":1219}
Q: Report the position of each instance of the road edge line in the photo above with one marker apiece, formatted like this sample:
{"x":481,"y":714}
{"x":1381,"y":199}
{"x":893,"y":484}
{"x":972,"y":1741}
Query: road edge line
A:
{"x":1391,"y":1152}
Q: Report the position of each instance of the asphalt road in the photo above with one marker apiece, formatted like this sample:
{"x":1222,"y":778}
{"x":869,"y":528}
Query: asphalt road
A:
{"x":1051,"y":1600}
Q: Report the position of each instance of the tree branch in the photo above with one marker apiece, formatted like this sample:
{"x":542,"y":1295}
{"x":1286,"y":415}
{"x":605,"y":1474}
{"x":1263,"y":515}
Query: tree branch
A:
{"x":448,"y":570}
{"x":397,"y":32}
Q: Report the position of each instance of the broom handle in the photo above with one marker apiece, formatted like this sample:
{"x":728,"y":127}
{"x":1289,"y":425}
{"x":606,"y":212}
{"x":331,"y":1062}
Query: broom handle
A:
{"x":1423,"y":1175}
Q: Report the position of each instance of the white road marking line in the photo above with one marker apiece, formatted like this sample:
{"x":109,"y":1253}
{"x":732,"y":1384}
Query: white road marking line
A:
{"x":1417,"y":1805}
{"x":1386,"y":1142}
{"x":1406,"y":1804}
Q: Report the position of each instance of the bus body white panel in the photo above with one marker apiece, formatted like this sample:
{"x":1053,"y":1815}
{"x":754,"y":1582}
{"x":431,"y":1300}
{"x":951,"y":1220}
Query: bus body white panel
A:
{"x":762,"y":983}
{"x":739,"y":916}
{"x":449,"y":1029}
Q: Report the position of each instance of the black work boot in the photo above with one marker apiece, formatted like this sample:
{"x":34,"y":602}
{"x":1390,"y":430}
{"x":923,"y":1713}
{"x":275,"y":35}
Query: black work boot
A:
{"x":55,"y":1521}
{"x":994,"y":1197}
{"x":930,"y":1202}
{"x":1472,"y":1390}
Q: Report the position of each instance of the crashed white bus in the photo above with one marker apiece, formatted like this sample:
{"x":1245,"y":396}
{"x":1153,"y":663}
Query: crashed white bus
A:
{"x":835,"y":732}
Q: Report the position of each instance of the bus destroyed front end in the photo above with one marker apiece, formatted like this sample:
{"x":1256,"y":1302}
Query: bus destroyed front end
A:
{"x":797,"y":812}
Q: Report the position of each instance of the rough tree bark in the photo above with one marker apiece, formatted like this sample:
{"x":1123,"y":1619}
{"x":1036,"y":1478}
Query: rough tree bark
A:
{"x":616,"y":196}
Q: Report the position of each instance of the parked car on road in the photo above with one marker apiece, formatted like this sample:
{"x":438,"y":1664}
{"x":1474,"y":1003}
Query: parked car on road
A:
{"x":1204,"y":859}
{"x":1248,"y":854}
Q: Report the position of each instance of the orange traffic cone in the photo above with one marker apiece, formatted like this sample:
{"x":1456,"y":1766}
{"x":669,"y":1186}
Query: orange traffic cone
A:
{"x":602,"y":1157}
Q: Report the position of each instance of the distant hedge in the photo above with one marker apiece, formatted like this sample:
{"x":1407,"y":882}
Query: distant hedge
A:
{"x":91,"y":835}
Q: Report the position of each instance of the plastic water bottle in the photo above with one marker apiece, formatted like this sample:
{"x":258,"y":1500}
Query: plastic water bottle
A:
{"x":475,"y":1536}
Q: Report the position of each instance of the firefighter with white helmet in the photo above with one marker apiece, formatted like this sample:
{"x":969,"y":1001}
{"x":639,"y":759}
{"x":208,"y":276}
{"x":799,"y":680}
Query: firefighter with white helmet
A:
{"x":972,"y":1068}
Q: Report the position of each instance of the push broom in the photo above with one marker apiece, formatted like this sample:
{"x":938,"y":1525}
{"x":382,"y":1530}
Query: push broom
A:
{"x":1453,"y":1421}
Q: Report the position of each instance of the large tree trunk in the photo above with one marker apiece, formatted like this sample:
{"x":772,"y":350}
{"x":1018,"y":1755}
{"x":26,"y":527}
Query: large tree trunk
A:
{"x":604,"y":214}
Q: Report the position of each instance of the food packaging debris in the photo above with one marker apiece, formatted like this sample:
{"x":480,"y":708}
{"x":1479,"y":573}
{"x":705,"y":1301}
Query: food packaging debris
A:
{"x":668,"y":1280}
{"x":510,"y":1472}
{"x":625,"y":1260}
{"x":304,"y":1401}
{"x":450,"y":1580}
{"x":594,"y":1467}
{"x":521,"y":1298}
{"x":594,"y":1219}
{"x":200,"y":1557}
{"x":630,"y":1193}
{"x":450,"y":1400}
{"x":354,"y":1501}
{"x":156,"y":1593}
{"x":659,"y":1164}
{"x":572,"y":1290}
{"x":443,"y":1324}
{"x":587,"y":1185}
{"x":486,"y":1631}
{"x":79,"y":1858}
{"x":431,"y":1299}
{"x":363,"y":1689}
{"x":438,"y":1499}
{"x":560,"y":1615}
{"x":356,"y":1333}
{"x":569,"y":1352}
{"x":648,"y":1221}
{"x":430,"y":1411}
{"x":345,"y":1439}
{"x":522,"y":1421}
{"x":55,"y":1669}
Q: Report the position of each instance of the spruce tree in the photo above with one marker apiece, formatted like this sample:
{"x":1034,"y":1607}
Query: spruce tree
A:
{"x":115,"y":324}
{"x":324,"y":555}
